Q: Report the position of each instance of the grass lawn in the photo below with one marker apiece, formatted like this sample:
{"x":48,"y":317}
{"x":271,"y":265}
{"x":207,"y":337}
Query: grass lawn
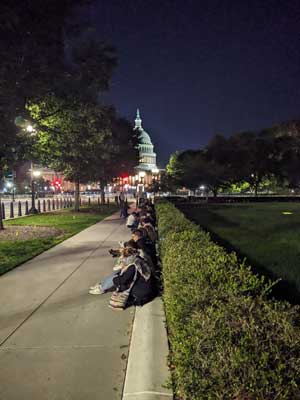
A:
{"x":13,"y":253}
{"x":268,"y":238}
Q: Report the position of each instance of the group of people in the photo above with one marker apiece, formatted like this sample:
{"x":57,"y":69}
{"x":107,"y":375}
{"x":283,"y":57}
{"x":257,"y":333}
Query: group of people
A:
{"x":134,"y":276}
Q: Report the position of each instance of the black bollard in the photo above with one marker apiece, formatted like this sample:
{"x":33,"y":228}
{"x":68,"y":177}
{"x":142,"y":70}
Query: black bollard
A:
{"x":57,"y":204}
{"x":11,"y":214}
{"x":39,"y":206}
{"x":61,"y":203}
{"x":49,"y":204}
{"x":108,"y":201}
{"x":44,"y":205}
{"x":53,"y":204}
{"x":26,"y":208}
{"x":3,"y":211}
{"x":19,"y":209}
{"x":89,"y":201}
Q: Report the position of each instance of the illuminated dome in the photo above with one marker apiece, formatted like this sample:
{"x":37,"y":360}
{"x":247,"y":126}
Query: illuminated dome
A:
{"x":144,"y":138}
{"x":146,"y":153}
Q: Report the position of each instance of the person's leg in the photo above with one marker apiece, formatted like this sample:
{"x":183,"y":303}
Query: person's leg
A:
{"x":103,"y":286}
{"x":108,"y":283}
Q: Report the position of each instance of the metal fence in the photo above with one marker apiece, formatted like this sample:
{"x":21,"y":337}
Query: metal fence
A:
{"x":20,"y":208}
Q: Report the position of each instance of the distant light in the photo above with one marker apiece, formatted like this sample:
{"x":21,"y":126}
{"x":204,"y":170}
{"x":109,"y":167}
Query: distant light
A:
{"x":155,"y":171}
{"x":89,"y":187}
{"x":45,"y":187}
{"x":9,"y":184}
{"x":202,"y":187}
{"x":52,"y":187}
{"x":126,"y":186}
{"x":29,"y":128}
{"x":292,"y":191}
{"x":36,"y":173}
{"x":142,"y":174}
{"x":287,"y":213}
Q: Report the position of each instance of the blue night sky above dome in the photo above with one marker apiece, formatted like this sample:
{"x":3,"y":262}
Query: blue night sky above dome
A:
{"x":197,"y":68}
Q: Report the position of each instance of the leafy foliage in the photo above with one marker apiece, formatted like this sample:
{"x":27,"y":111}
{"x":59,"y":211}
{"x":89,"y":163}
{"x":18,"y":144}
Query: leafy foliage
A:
{"x":228,"y":340}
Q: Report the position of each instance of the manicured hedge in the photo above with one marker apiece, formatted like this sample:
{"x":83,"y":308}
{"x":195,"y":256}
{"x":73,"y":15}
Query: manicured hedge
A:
{"x":228,"y":340}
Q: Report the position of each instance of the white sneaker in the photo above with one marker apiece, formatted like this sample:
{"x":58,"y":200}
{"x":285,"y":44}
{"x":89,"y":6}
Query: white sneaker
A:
{"x":98,"y":290}
{"x":95,"y":286}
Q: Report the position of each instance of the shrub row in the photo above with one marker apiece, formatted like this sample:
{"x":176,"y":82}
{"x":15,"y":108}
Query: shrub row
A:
{"x":228,"y":339}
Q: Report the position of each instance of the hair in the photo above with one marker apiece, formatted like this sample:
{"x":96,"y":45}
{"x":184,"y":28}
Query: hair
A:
{"x":138,"y":232}
{"x":131,"y":243}
{"x":147,"y":220}
{"x":129,"y":251}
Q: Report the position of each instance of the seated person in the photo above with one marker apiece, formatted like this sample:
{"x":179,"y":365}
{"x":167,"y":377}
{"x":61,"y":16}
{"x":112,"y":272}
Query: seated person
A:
{"x":145,"y":244}
{"x":127,"y":256}
{"x":149,"y":228}
{"x":132,"y":221}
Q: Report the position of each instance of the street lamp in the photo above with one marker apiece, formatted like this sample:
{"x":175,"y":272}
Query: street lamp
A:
{"x":30,"y":128}
{"x":33,"y":174}
{"x":10,"y":186}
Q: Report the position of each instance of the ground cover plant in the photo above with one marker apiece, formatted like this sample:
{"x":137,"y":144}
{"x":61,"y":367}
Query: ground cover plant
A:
{"x":228,"y":339}
{"x":62,"y":224}
{"x":268,"y":235}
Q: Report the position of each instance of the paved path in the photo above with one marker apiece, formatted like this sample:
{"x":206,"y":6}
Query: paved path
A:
{"x":57,"y":342}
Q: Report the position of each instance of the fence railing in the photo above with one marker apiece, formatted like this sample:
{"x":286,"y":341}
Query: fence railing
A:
{"x":19,"y":208}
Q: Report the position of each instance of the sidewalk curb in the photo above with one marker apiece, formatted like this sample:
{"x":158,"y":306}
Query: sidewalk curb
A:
{"x":147,"y":371}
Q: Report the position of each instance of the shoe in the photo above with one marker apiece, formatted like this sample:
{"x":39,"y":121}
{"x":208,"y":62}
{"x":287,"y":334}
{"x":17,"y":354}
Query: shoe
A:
{"x":95,"y":286}
{"x":115,"y":308}
{"x":98,"y":290}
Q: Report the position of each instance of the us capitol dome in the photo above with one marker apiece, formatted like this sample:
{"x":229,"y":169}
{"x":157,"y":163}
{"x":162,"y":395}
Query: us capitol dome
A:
{"x":147,"y":157}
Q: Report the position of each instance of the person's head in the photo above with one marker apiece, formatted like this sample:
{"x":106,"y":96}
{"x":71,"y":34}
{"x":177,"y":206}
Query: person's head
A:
{"x":128,"y":251}
{"x":137,"y":234}
{"x":131,"y":243}
{"x":146,"y":220}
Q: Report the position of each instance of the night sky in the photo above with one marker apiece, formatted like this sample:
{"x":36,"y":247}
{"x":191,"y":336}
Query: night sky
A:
{"x":197,"y":68}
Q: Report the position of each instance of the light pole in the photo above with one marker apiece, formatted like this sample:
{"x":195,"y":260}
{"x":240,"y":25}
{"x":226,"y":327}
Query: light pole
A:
{"x":11,"y":189}
{"x":33,"y":174}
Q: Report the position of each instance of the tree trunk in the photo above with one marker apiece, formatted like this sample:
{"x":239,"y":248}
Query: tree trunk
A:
{"x":102,"y":185}
{"x":77,"y":196}
{"x":256,"y":185}
{"x":1,"y":220}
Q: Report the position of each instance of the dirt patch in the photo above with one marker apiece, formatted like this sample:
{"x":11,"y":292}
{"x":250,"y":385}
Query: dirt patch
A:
{"x":28,"y":232}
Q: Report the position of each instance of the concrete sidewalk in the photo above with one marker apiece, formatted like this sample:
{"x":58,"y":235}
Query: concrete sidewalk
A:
{"x":56,"y":341}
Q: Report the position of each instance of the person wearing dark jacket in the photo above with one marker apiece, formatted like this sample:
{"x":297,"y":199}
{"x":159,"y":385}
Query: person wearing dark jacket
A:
{"x":145,"y":245}
{"x":137,"y":277}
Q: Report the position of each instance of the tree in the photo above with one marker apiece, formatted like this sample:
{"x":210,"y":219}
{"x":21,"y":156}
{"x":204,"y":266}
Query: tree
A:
{"x":71,"y":140}
{"x":252,"y":158}
{"x":32,"y":51}
{"x":121,"y":152}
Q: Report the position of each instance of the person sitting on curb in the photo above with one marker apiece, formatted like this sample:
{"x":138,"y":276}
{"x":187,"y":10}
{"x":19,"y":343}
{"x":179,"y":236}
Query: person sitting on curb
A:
{"x":132,"y":220}
{"x":134,"y":286}
{"x":145,"y":244}
{"x":134,"y":276}
{"x":146,"y":224}
{"x":127,"y":256}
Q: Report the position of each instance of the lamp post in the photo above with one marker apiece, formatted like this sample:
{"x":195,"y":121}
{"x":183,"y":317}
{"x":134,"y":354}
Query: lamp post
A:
{"x":33,"y":174}
{"x":11,"y":189}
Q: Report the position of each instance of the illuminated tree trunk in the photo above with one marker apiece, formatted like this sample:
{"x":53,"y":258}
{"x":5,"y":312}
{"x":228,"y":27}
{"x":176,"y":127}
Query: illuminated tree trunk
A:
{"x":77,"y":196}
{"x":102,"y":186}
{"x":1,"y":220}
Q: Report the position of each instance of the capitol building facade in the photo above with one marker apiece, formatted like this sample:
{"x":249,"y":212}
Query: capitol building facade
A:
{"x":146,"y":170}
